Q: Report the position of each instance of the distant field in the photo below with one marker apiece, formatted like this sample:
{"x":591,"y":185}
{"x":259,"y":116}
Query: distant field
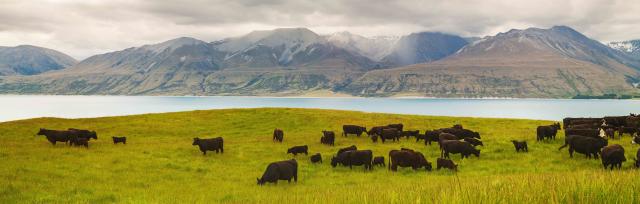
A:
{"x":159,"y":165}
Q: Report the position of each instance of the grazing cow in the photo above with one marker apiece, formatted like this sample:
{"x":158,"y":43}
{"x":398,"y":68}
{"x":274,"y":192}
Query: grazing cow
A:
{"x":374,"y":138}
{"x":520,"y":145}
{"x":54,"y":136}
{"x":398,"y":126}
{"x":582,"y":132}
{"x":407,"y":158}
{"x":446,"y":163}
{"x":637,"y":159}
{"x":456,"y":146}
{"x":636,"y":139}
{"x":473,"y":141}
{"x":353,"y":129}
{"x":278,"y":135}
{"x":408,"y":133}
{"x":461,"y":133}
{"x":84,"y":133}
{"x":431,"y":136}
{"x":328,"y":138}
{"x":378,"y":161}
{"x":354,"y":158}
{"x":211,"y":144}
{"x":349,"y":148}
{"x":316,"y":158}
{"x":79,"y":141}
{"x":458,"y":126}
{"x":547,"y":131}
{"x":282,"y":170}
{"x":613,"y":155}
{"x":584,"y":145}
{"x":295,"y":150}
{"x":630,"y":130}
{"x":444,"y":137}
{"x":610,"y":133}
{"x":390,"y":134}
{"x":117,"y":140}
{"x":377,"y":130}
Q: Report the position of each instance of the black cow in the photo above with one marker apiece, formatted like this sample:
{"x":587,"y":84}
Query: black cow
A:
{"x":377,"y":130}
{"x":353,"y":129}
{"x":584,"y":145}
{"x":295,"y":150}
{"x":582,"y":132}
{"x":444,"y":137}
{"x":461,"y":133}
{"x":520,"y":145}
{"x":413,"y":133}
{"x":613,"y":155}
{"x":278,"y":135}
{"x":79,"y":141}
{"x":473,"y":141}
{"x":88,"y":134}
{"x":446,"y":163}
{"x":431,"y":136}
{"x":637,"y":159}
{"x":349,"y":148}
{"x":211,"y":144}
{"x":398,"y":126}
{"x":117,"y":140}
{"x":629,"y":130}
{"x":354,"y":158}
{"x":282,"y":170}
{"x":328,"y":138}
{"x":316,"y":158}
{"x":390,"y":134}
{"x":378,"y":161}
{"x":407,"y":158}
{"x":456,"y":146}
{"x":54,"y":136}
{"x":547,"y":131}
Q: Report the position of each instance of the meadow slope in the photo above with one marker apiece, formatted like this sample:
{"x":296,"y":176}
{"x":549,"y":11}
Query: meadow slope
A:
{"x":159,"y":165}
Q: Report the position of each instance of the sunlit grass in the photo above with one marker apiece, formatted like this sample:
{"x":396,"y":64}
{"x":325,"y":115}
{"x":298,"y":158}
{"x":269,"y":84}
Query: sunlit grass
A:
{"x":159,"y":165}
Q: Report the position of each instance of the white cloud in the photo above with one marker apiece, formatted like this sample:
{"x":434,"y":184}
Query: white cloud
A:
{"x":86,"y":27}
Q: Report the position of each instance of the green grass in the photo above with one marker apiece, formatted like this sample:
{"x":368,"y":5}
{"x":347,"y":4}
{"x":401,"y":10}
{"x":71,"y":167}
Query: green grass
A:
{"x":159,"y":164}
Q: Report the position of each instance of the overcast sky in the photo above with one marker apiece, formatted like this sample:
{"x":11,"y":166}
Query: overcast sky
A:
{"x":82,"y":28}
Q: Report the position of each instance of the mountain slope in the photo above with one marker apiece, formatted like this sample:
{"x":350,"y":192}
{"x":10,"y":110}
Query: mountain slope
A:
{"x":534,"y":62}
{"x":631,"y":47}
{"x":423,"y":47}
{"x":374,"y":48}
{"x":30,"y":60}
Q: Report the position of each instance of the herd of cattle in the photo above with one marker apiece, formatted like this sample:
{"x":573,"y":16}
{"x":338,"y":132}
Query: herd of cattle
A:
{"x":587,"y":136}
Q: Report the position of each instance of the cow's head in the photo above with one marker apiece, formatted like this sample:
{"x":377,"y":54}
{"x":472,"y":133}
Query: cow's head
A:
{"x":557,"y":126}
{"x":93,"y":135}
{"x":334,"y":161}
{"x":476,"y":135}
{"x":41,"y":131}
{"x":196,"y":141}
{"x":260,"y":181}
{"x":476,"y":152}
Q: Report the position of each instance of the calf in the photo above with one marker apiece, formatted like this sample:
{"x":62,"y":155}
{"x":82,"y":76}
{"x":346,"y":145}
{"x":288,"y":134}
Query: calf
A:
{"x":84,"y":133}
{"x":456,"y":146}
{"x":613,"y":155}
{"x":328,"y":138}
{"x":473,"y":141}
{"x":80,"y":141}
{"x":282,"y":170}
{"x":316,"y":158}
{"x":211,"y":144}
{"x":117,"y":140}
{"x":446,"y":163}
{"x":520,"y":145}
{"x":547,"y":131}
{"x":378,"y":161}
{"x":278,"y":135}
{"x":295,"y":150}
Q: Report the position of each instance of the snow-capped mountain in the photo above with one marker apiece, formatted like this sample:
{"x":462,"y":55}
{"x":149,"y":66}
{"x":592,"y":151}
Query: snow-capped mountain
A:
{"x":374,"y":48}
{"x":631,"y":47}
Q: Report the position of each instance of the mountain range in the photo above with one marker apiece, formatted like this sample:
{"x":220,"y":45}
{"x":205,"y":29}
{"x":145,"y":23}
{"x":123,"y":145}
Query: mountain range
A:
{"x":558,"y":62}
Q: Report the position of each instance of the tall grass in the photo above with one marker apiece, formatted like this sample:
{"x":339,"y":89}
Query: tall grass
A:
{"x":159,"y":165}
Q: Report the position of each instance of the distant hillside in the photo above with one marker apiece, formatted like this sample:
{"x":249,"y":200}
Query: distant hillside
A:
{"x":555,"y":62}
{"x":631,"y":47}
{"x":30,"y":60}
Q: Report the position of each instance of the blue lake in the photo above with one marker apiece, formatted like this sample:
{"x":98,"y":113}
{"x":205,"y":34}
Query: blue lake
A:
{"x":22,"y":107}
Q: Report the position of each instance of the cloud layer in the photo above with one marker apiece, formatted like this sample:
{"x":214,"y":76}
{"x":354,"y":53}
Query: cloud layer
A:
{"x":86,"y":27}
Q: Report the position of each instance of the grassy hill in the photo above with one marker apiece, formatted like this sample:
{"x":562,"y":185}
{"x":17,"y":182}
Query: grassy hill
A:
{"x":159,"y":164}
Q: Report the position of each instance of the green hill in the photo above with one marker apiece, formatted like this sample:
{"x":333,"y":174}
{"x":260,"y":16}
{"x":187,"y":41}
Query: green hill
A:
{"x":159,"y":165}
